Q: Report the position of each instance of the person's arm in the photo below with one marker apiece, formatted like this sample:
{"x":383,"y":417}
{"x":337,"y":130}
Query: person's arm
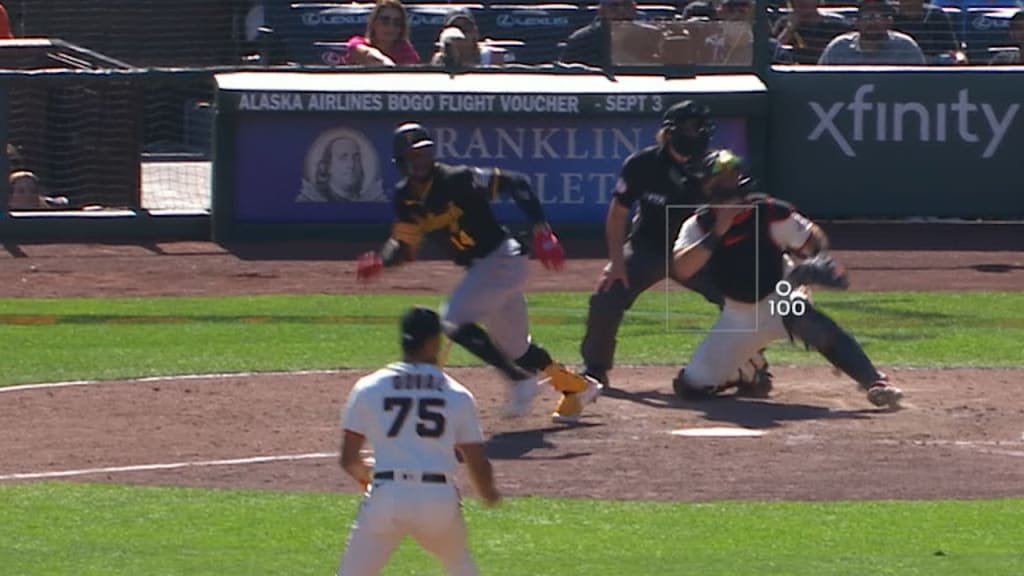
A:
{"x":351,"y":461}
{"x":694,"y":246}
{"x":481,"y":473}
{"x":794,"y":232}
{"x":401,"y":247}
{"x":361,"y":52}
{"x":355,"y":423}
{"x":470,"y":447}
{"x":516,"y":185}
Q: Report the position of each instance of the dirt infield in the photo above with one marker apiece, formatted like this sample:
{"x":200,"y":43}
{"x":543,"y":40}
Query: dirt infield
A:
{"x":962,"y":434}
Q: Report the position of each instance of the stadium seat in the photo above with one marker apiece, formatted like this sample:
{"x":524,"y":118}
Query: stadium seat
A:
{"x":541,"y":27}
{"x":985,"y":28}
{"x":302,"y":25}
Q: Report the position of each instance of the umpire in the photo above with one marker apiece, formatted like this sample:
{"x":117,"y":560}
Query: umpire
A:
{"x":664,"y":174}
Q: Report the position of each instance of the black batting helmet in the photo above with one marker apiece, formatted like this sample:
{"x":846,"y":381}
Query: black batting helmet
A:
{"x":689,"y":127}
{"x":408,"y":136}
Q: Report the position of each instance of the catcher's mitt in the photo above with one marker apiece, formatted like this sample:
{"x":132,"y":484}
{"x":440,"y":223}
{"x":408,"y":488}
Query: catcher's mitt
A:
{"x":822,"y":270}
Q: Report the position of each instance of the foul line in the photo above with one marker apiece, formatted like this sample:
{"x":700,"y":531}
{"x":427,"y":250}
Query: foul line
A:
{"x":169,"y":466}
{"x":69,"y":383}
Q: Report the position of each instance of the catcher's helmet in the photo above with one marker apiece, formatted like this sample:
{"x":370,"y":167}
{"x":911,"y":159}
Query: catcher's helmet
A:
{"x":408,"y":136}
{"x":689,"y":127}
{"x":718,"y":161}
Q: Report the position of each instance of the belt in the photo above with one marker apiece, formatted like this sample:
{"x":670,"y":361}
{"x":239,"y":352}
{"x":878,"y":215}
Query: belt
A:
{"x":427,"y":477}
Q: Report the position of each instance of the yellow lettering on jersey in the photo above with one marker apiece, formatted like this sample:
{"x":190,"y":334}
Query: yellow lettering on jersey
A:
{"x":447,"y":219}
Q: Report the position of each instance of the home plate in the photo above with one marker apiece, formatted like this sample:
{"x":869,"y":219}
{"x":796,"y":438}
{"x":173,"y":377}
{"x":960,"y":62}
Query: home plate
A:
{"x":717,"y":432}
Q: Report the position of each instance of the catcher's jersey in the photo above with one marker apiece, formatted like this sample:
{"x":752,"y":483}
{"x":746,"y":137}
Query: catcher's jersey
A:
{"x":650,"y":178}
{"x":748,"y":263}
{"x":413,"y":415}
{"x":456,"y":202}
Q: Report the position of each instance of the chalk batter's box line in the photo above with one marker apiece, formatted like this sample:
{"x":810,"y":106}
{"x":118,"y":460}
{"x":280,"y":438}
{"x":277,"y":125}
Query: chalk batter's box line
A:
{"x":757,"y":268}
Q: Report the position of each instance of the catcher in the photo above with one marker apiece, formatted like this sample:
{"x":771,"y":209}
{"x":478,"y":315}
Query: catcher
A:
{"x":745,"y":239}
{"x":665,"y":174}
{"x":486,"y":313}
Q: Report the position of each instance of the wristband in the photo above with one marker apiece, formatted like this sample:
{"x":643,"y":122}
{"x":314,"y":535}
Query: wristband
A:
{"x":710,"y":241}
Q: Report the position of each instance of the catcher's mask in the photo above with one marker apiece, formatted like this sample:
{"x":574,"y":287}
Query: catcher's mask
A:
{"x":689,"y":127}
{"x":408,"y":136}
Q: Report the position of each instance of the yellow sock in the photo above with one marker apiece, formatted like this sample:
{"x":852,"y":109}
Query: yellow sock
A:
{"x":564,"y":380}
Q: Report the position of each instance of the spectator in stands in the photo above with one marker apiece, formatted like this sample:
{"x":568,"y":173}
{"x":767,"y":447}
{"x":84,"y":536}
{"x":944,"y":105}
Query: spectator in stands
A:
{"x":459,"y":44}
{"x":26,"y":194}
{"x":874,"y":42}
{"x":592,"y":44}
{"x":5,"y":24}
{"x":736,"y":10}
{"x":387,"y":38}
{"x":456,"y":50}
{"x":808,"y":30}
{"x":931,"y":28}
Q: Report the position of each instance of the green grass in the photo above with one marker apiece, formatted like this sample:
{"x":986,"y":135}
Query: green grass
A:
{"x":48,"y":529}
{"x":86,"y":338}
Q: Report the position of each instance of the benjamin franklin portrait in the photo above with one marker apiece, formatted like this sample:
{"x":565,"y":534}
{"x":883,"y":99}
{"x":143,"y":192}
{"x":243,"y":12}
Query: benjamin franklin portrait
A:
{"x":342,"y":166}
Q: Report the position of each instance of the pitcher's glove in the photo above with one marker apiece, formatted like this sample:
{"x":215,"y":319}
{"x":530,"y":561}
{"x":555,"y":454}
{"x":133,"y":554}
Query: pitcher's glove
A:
{"x":368,"y":266}
{"x":822,"y":270}
{"x":548,"y":249}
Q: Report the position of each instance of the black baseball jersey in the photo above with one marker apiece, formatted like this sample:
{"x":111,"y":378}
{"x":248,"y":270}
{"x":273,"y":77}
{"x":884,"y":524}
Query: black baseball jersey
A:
{"x":651,"y":178}
{"x":748,"y":262}
{"x":456,"y":203}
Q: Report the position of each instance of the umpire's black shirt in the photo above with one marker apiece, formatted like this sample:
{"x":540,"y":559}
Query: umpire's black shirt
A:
{"x":651,"y":178}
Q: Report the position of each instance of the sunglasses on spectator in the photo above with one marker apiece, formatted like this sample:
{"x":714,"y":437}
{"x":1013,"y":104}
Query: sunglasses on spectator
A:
{"x":873,"y":16}
{"x":390,"y":20}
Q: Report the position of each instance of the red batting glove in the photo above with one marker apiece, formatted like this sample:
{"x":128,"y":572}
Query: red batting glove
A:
{"x":548,"y":249}
{"x":368,"y":265}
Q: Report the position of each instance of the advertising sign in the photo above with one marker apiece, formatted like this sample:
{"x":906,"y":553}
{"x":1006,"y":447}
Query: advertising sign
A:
{"x":333,"y":167}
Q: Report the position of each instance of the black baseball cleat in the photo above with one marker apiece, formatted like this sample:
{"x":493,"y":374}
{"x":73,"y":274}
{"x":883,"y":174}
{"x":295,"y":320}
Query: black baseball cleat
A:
{"x":686,"y":392}
{"x":760,"y":387}
{"x":599,"y":375}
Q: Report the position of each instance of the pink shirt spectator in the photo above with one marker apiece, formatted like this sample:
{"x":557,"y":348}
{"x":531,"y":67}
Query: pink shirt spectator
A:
{"x":5,"y":26}
{"x":403,"y":53}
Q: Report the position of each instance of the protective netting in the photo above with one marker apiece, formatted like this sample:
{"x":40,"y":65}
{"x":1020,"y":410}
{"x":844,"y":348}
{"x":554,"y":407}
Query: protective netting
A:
{"x":129,"y":142}
{"x":144,"y":142}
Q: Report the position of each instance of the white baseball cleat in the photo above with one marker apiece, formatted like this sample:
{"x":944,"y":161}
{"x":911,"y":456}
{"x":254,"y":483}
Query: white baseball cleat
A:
{"x":884,"y":395}
{"x":519,"y":396}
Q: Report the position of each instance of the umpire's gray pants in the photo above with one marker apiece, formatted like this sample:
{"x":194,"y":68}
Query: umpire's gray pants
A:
{"x":644,"y":268}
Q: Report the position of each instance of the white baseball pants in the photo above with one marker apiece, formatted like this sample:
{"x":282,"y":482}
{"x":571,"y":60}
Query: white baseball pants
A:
{"x":741,"y":330}
{"x":393,"y":509}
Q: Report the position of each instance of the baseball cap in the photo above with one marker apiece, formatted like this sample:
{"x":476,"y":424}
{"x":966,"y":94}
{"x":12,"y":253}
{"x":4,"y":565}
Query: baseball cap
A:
{"x":418,"y":324}
{"x":453,"y":18}
{"x":451,"y":33}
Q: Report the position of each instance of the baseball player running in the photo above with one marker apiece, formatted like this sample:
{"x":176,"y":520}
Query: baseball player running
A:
{"x":743,"y":240}
{"x":415,"y":417}
{"x":455,"y":201}
{"x":653,"y":178}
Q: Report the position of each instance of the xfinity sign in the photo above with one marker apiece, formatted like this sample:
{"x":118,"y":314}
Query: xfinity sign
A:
{"x":960,"y":118}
